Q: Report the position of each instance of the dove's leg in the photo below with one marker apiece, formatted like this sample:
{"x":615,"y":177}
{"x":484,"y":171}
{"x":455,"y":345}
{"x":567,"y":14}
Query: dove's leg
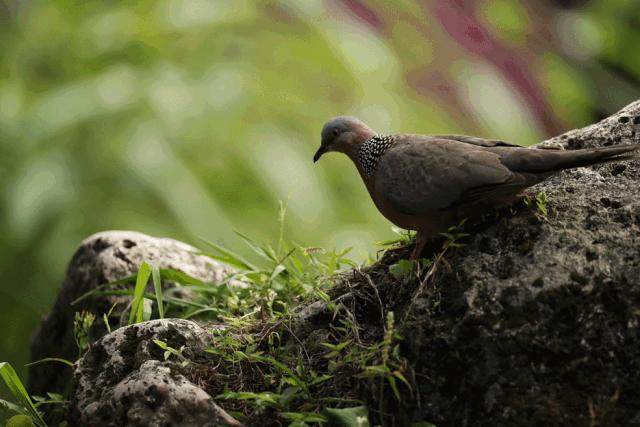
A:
{"x":424,"y":234}
{"x":421,"y":242}
{"x":428,"y":230}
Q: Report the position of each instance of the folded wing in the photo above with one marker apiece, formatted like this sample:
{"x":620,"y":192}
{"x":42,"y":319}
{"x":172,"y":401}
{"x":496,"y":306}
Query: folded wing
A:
{"x":419,"y":174}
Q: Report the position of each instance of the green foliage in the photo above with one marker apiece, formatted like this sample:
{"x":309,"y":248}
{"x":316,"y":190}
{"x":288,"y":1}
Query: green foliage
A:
{"x":392,"y":365}
{"x":454,"y":234}
{"x":19,"y":421}
{"x":540,"y":202}
{"x":136,"y":314}
{"x":404,"y":238}
{"x":82,"y":323}
{"x":52,"y":359}
{"x":402,"y":268}
{"x":26,"y":405}
{"x":357,"y":416}
{"x":157,"y":287}
{"x":170,"y":351}
{"x":256,"y":371}
{"x":255,"y":303}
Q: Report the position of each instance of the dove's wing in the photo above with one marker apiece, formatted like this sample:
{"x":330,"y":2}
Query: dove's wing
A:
{"x":474,"y":140}
{"x":420,"y":174}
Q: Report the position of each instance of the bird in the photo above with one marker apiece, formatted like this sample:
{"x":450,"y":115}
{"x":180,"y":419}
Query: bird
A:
{"x":429,"y":183}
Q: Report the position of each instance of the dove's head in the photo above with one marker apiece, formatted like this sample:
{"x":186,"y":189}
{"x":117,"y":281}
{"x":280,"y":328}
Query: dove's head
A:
{"x":343,"y":134}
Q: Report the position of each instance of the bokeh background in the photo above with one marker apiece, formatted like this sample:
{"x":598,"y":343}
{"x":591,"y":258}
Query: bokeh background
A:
{"x":194,"y":118}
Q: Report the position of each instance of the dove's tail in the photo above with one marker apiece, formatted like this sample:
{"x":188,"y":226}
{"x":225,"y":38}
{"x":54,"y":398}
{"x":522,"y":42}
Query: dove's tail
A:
{"x":594,"y":156}
{"x":548,"y":161}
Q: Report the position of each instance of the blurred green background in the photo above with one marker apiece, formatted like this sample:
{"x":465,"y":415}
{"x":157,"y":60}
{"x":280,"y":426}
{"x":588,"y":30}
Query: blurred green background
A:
{"x":194,"y":118}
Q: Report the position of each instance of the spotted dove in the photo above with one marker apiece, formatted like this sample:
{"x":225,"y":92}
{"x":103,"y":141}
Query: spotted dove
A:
{"x":428,"y":183}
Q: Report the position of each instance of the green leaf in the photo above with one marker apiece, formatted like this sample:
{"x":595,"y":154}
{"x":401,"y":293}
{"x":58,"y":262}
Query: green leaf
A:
{"x":147,"y":309}
{"x":357,"y":416}
{"x":276,"y":271}
{"x":259,"y":250}
{"x":157,"y":286}
{"x":293,"y":379}
{"x":136,"y":315}
{"x":310,"y":417}
{"x":12,"y":407}
{"x":402,"y":378}
{"x":51,"y":359}
{"x":541,"y":203}
{"x":122,"y":281}
{"x":163,"y":345}
{"x":226,"y":256}
{"x":266,"y":398}
{"x":19,"y":421}
{"x":401,"y":269}
{"x":16,"y":388}
{"x":180,"y":277}
{"x":394,"y":388}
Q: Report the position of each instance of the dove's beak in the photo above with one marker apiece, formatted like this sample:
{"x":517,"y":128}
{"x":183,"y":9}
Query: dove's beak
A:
{"x":319,"y":153}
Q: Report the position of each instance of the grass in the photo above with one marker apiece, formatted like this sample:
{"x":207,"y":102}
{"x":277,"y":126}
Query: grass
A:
{"x":540,"y":201}
{"x":262,"y":368}
{"x":24,"y":406}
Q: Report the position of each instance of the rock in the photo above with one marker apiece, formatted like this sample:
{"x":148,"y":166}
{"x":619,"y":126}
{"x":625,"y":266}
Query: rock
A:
{"x":125,"y":380}
{"x":534,"y":321}
{"x":101,"y":258}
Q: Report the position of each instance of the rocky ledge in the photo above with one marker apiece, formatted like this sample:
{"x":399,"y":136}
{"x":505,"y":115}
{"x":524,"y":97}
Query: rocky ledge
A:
{"x":533,"y":320}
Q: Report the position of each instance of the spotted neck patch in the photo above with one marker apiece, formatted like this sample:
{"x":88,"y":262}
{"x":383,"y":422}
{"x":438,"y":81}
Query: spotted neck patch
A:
{"x":370,"y":152}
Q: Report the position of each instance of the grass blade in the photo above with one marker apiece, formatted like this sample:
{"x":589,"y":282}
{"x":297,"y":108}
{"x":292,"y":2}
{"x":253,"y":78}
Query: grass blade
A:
{"x":265,"y":253}
{"x":180,"y":277}
{"x":157,"y":286}
{"x":122,"y":281}
{"x":226,"y":256}
{"x":137,"y":305}
{"x":51,"y":359}
{"x":14,"y":385}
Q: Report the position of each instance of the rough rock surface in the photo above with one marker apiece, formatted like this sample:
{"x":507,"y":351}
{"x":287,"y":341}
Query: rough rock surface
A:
{"x":101,"y":258}
{"x":124,"y":380}
{"x":535,"y":321}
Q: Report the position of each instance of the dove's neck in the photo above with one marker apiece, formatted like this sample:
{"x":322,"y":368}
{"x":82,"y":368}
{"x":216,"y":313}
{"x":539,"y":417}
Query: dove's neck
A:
{"x":367,"y":154}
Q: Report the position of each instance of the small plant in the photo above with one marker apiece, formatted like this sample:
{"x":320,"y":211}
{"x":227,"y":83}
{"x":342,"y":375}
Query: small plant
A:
{"x":405,"y":237}
{"x":82,"y":323}
{"x":357,"y":416}
{"x":105,"y":317}
{"x":170,"y":351}
{"x":255,"y":367}
{"x":540,"y":202}
{"x":402,"y":268}
{"x":454,"y":234}
{"x":139,"y":310}
{"x":25,"y":406}
{"x":391,"y":365}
